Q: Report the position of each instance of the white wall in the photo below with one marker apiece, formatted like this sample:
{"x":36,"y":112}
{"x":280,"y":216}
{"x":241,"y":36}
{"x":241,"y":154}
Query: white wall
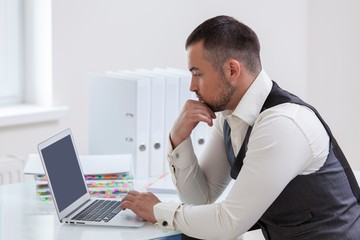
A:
{"x":334,"y":60}
{"x":95,"y":36}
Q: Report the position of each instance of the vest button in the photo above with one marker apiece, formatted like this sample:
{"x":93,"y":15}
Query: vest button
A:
{"x":164,"y":223}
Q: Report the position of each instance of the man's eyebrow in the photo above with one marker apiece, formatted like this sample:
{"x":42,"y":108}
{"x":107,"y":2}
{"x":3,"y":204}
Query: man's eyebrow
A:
{"x":193,"y":68}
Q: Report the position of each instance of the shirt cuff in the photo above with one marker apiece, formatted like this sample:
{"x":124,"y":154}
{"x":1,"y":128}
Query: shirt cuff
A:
{"x":164,"y":214}
{"x":183,"y":151}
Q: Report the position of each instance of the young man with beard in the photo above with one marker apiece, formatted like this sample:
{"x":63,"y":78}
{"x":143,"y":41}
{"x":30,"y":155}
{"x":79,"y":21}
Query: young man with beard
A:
{"x":291,"y":177}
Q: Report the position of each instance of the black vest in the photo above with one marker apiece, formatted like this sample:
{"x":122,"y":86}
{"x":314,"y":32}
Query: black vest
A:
{"x":324,"y":205}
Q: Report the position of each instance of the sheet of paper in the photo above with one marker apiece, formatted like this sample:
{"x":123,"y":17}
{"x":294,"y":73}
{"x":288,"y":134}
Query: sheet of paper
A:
{"x":163,"y":184}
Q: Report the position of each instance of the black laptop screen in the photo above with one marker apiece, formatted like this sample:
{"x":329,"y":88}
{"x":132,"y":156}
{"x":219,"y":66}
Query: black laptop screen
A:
{"x":64,"y":172}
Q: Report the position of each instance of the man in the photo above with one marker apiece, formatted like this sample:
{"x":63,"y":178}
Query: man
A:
{"x":291,"y":178}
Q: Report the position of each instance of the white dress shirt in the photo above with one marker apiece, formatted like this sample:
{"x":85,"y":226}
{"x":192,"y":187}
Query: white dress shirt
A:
{"x":286,"y":140}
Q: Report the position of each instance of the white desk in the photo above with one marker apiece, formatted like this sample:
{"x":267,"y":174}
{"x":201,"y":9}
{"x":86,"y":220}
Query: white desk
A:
{"x":24,"y":216}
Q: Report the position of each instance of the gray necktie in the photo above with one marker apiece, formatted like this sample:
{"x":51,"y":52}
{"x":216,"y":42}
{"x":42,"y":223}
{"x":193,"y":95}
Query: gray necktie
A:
{"x":235,"y":162}
{"x":228,"y":144}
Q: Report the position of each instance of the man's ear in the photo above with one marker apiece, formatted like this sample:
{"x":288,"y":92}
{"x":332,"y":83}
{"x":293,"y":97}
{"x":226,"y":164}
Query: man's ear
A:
{"x":232,"y":69}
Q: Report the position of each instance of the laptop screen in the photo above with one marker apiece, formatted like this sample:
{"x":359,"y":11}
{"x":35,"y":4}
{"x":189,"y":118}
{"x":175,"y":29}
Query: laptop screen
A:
{"x":64,"y":172}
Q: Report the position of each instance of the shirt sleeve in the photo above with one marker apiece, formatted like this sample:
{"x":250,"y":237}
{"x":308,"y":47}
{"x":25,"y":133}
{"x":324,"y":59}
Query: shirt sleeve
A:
{"x":164,"y":214}
{"x":271,"y":162}
{"x":203,"y":181}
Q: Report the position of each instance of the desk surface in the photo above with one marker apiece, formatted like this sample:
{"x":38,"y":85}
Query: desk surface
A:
{"x":24,"y":216}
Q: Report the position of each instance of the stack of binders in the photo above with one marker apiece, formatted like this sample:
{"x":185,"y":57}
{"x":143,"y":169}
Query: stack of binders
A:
{"x":106,"y":176}
{"x":132,"y":112}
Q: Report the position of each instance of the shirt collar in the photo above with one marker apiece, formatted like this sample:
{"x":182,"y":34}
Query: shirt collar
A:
{"x":251,"y":103}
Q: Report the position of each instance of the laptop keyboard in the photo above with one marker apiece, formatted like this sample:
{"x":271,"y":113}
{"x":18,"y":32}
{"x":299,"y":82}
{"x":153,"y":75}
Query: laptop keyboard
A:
{"x":99,"y":210}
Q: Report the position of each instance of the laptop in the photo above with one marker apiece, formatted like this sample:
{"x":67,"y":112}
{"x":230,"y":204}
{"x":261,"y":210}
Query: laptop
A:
{"x":70,"y":194}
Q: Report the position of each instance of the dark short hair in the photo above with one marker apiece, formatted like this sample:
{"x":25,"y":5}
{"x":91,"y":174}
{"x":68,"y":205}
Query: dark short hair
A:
{"x":225,"y":37}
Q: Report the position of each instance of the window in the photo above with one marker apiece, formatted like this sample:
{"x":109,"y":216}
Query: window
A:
{"x":11,"y":52}
{"x":26,"y":63}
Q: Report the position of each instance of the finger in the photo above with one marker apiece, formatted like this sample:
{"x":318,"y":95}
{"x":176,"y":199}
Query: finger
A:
{"x":129,"y":201}
{"x":211,"y":113}
{"x":134,"y":206}
{"x":124,"y":205}
{"x":203,"y":115}
{"x":202,"y":106}
{"x":206,"y":119}
{"x":133,"y":192}
{"x":130,"y":196}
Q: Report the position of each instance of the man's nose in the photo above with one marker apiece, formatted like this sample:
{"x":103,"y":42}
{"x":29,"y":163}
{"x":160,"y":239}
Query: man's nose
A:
{"x":194,"y":84}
